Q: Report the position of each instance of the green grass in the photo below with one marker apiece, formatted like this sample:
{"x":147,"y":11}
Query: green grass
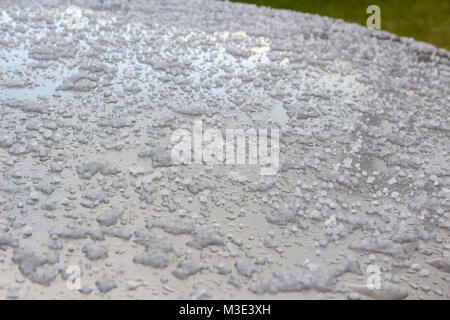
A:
{"x":424,"y":20}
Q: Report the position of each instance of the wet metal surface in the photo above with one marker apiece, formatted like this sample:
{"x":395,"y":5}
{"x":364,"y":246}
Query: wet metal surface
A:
{"x":91,"y":93}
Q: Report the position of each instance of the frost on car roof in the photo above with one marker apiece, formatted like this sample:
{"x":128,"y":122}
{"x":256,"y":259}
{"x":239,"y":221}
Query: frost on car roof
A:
{"x":91,"y":93}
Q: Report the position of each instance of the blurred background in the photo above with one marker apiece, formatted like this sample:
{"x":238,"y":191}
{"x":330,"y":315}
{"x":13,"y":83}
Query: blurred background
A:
{"x":424,"y":20}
